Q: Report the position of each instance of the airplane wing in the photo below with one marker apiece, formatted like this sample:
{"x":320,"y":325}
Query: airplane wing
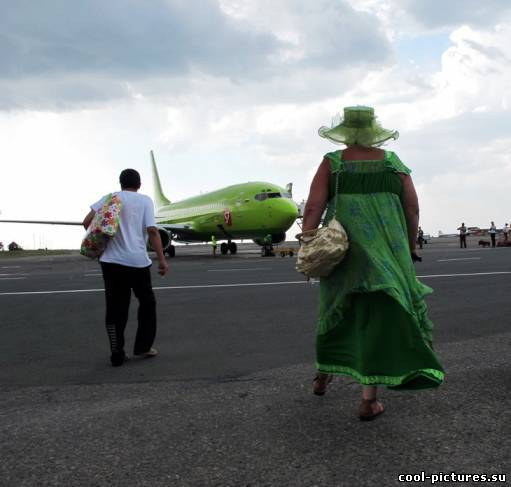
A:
{"x":171,"y":227}
{"x":42,"y":222}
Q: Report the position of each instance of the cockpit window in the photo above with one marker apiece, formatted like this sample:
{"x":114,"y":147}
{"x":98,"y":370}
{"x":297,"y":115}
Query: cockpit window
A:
{"x":264,"y":196}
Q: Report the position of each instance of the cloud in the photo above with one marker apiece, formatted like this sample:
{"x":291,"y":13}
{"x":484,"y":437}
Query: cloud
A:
{"x":57,"y":55}
{"x":453,"y":13}
{"x":329,"y":34}
{"x":88,"y":50}
{"x":125,"y":38}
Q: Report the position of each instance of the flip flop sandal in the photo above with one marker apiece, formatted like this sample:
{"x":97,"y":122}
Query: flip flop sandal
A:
{"x":320,"y":383}
{"x":365,"y":410}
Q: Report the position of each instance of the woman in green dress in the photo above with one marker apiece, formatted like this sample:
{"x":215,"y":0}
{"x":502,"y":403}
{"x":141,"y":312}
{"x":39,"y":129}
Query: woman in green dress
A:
{"x":373,"y":323}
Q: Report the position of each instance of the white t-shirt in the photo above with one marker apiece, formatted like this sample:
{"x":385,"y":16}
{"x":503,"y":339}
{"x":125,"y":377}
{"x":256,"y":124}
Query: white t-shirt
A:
{"x":129,"y":246}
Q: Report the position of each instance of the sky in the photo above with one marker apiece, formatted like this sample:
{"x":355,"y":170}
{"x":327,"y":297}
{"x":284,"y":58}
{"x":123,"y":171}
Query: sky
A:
{"x":230,"y":91}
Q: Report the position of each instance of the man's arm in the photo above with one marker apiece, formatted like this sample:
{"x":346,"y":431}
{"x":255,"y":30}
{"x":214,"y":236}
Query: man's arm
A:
{"x":88,"y":219}
{"x":155,"y":240}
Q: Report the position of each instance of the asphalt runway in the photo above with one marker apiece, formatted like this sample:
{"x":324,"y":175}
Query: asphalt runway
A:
{"x":227,"y":401}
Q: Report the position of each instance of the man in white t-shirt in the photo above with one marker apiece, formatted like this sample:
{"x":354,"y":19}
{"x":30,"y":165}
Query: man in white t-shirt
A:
{"x":493,"y":233}
{"x":463,"y":236}
{"x":126,"y":266}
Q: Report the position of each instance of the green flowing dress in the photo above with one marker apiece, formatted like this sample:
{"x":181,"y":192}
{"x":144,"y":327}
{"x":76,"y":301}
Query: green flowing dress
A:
{"x":373,"y":323}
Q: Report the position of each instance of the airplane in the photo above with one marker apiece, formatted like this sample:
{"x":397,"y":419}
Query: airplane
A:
{"x":253,"y":210}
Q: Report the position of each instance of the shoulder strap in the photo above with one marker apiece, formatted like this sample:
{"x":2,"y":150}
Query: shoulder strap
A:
{"x":393,"y":162}
{"x":335,"y":159}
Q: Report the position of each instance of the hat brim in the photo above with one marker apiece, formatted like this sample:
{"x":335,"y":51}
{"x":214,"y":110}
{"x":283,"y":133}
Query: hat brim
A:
{"x":370,"y":136}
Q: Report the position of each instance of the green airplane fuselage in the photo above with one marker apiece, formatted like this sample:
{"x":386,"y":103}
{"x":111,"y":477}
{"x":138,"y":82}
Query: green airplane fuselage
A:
{"x":242,"y":211}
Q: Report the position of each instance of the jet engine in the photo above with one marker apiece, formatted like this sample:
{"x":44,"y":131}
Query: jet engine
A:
{"x":165,"y":240}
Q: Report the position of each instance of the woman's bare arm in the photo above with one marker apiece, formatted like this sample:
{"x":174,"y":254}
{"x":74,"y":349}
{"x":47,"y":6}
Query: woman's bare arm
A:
{"x":411,"y":209}
{"x":318,"y":197}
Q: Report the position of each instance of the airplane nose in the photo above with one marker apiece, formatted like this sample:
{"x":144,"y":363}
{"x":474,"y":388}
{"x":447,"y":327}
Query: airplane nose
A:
{"x":284,"y":212}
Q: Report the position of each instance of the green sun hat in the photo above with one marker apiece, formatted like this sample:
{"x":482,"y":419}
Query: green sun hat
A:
{"x":358,"y":126}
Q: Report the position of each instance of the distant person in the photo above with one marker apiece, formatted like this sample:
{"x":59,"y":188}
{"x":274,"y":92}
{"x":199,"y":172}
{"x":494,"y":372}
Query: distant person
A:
{"x":420,"y":238}
{"x":505,"y":232}
{"x":126,"y":266}
{"x":373,"y":323}
{"x":492,"y":232}
{"x":267,"y":249}
{"x":213,"y":245}
{"x":463,"y":236}
{"x":1,"y":246}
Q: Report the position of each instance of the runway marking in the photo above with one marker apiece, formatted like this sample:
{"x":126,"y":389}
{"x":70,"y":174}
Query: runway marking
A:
{"x":91,"y":275}
{"x":158,"y":288}
{"x":10,"y":278}
{"x":461,"y":258}
{"x":11,"y":267}
{"x":240,"y":269}
{"x":464,"y":275}
{"x":212,"y":286}
{"x":18,"y":274}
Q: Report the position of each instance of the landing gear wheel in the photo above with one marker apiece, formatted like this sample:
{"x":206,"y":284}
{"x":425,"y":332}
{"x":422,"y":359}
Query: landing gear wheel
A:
{"x":171,"y":251}
{"x":233,"y":248}
{"x":224,"y":248}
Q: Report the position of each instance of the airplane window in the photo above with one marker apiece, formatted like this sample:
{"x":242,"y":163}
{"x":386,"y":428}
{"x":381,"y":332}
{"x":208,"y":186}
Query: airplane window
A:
{"x":264,"y":196}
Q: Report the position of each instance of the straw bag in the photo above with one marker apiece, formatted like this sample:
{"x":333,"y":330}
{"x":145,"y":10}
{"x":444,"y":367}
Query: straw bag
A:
{"x":103,"y":227}
{"x":322,"y":249}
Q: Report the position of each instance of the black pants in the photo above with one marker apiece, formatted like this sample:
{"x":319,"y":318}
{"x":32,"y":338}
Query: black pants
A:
{"x":492,"y":236}
{"x":463,"y":241}
{"x":119,"y":281}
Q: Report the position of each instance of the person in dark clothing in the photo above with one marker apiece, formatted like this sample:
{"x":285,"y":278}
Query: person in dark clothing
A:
{"x":420,"y":237}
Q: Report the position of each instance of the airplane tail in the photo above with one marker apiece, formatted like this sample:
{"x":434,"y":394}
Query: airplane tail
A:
{"x":289,"y":189}
{"x":159,"y":198}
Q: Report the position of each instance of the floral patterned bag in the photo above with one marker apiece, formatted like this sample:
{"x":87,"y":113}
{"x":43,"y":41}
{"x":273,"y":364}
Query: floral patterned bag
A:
{"x":103,"y":227}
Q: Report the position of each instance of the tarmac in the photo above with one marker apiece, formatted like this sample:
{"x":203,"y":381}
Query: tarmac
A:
{"x":228,"y":400}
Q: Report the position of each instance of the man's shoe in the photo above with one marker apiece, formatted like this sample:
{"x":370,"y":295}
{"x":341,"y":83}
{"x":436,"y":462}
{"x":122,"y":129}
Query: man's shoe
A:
{"x":152,"y":352}
{"x":117,"y":358}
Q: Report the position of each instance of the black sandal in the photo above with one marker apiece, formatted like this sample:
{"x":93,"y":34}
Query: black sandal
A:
{"x":320,"y":383}
{"x":365,"y":410}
